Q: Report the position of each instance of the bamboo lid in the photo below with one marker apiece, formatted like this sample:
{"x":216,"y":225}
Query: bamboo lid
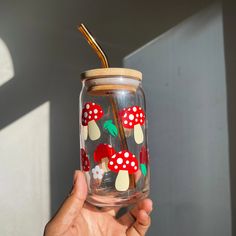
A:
{"x":111,"y":72}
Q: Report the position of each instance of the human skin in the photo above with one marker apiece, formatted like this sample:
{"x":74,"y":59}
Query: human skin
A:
{"x":78,"y":218}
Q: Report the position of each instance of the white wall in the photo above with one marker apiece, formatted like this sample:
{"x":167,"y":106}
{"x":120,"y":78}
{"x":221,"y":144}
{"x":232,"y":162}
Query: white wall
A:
{"x":24,"y":174}
{"x":185,"y":83}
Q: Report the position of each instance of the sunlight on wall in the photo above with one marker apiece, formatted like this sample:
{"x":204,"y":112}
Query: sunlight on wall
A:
{"x":6,"y":64}
{"x":24,"y":178}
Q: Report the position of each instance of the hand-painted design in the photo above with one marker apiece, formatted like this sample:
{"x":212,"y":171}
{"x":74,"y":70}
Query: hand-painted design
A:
{"x":90,"y":114}
{"x":125,"y":163}
{"x":111,"y":128}
{"x":84,"y":160}
{"x":143,"y":157}
{"x":133,"y":118}
{"x":97,"y":172}
{"x":102,"y":154}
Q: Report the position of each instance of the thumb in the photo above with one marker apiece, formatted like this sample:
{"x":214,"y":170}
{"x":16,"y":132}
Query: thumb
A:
{"x":73,"y":204}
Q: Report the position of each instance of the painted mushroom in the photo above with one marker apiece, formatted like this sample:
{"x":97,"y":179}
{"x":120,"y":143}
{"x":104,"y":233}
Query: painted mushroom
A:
{"x":90,"y":114}
{"x":125,"y":163}
{"x":143,"y":157}
{"x":85,"y":160}
{"x":133,"y":118}
{"x":102,"y":154}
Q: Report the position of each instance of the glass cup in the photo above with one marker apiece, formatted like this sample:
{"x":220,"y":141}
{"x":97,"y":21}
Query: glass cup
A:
{"x":113,"y":136}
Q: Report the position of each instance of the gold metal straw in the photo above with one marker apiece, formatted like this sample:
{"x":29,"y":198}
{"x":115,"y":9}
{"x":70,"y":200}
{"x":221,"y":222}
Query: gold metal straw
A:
{"x":113,"y":100}
{"x":94,"y":45}
{"x":92,"y":42}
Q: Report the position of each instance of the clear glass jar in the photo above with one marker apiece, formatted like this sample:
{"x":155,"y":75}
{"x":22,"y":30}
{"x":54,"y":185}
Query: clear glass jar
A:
{"x":113,"y":136}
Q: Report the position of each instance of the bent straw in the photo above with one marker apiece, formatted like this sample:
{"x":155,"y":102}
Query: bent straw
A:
{"x":92,"y":42}
{"x":95,"y":46}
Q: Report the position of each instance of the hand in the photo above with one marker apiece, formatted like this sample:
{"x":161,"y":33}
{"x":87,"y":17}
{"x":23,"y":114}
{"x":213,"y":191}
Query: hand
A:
{"x":78,"y":218}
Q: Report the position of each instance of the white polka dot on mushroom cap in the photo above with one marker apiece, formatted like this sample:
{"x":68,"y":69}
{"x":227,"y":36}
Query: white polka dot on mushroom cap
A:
{"x":132,"y":163}
{"x":130,"y":123}
{"x":127,"y":162}
{"x":119,"y":161}
{"x":131,"y":116}
{"x":129,"y":109}
{"x":111,"y":162}
{"x":134,"y":109}
{"x":135,"y":167}
{"x":141,"y":114}
{"x":93,"y":103}
{"x":109,"y":145}
{"x":87,"y":106}
{"x":125,"y":122}
{"x":90,"y":112}
{"x":136,"y":120}
{"x":95,"y":117}
{"x":89,"y":117}
{"x":95,"y":111}
{"x":141,"y":120}
{"x":126,"y":154}
{"x":116,"y":167}
{"x":124,"y":166}
{"x":114,"y":156}
{"x":85,"y":114}
{"x":120,"y":152}
{"x":137,"y":115}
{"x":140,"y":108}
{"x":125,"y":115}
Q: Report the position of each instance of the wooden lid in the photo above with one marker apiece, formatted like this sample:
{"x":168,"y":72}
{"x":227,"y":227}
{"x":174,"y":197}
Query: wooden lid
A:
{"x":109,"y":89}
{"x":111,"y":72}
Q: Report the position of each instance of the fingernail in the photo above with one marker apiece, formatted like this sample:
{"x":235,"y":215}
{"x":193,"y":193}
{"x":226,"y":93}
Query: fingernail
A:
{"x":75,"y":175}
{"x":74,"y":182}
{"x":80,"y":186}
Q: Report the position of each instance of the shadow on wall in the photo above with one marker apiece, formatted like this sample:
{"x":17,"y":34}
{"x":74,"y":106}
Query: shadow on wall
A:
{"x":229,"y":10}
{"x":43,"y":74}
{"x":47,"y":64}
{"x":37,"y":83}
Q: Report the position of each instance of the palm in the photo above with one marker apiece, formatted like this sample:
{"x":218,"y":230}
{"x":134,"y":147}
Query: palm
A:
{"x":91,"y":221}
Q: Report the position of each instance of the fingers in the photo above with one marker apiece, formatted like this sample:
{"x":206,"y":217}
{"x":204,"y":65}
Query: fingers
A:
{"x":73,"y":204}
{"x":145,"y":204}
{"x":130,"y":217}
{"x":141,"y":225}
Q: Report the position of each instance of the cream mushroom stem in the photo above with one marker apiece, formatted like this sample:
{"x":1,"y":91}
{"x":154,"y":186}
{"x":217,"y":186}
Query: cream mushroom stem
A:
{"x":122,"y":180}
{"x":84,"y":131}
{"x":138,"y":134}
{"x":93,"y":130}
{"x":104,"y":164}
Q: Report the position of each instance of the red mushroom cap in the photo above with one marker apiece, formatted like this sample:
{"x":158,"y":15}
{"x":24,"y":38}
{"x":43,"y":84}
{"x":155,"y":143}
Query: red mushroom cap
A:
{"x":85,"y":160}
{"x":132,"y":116}
{"x":123,"y":160}
{"x":91,"y":111}
{"x":103,"y":150}
{"x":144,"y":155}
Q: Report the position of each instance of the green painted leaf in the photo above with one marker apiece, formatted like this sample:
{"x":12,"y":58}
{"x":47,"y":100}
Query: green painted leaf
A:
{"x":143,"y":169}
{"x":107,"y":124}
{"x":111,"y":128}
